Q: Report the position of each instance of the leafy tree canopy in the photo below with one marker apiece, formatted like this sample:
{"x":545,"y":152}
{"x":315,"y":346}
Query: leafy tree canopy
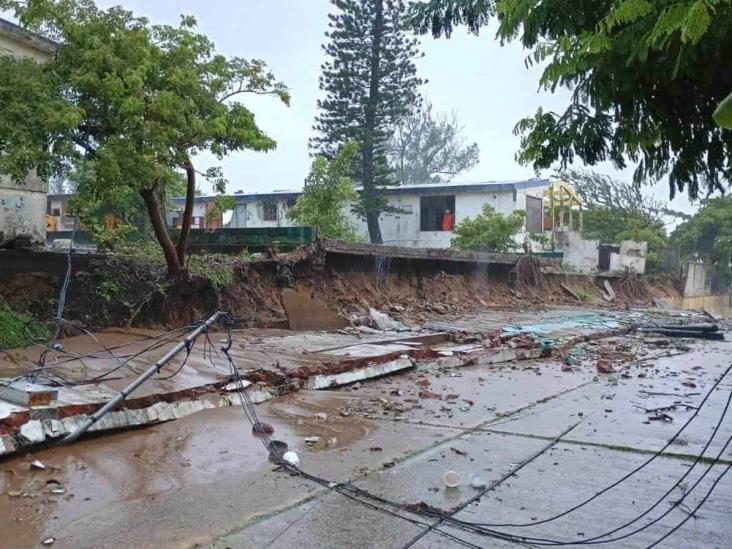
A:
{"x":429,"y":148}
{"x":138,"y":100}
{"x":646,"y":77}
{"x":617,"y":210}
{"x":708,"y":235}
{"x":489,"y":231}
{"x":328,"y":190}
{"x":612,"y":226}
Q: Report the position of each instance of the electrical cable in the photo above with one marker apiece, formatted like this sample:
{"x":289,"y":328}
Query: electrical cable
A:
{"x":594,"y":541}
{"x":349,"y":489}
{"x":694,"y":511}
{"x":655,"y":456}
{"x":66,"y":282}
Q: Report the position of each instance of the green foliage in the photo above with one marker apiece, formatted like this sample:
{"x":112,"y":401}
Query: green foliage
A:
{"x":723,"y":114}
{"x":139,"y":100}
{"x":222,"y":204}
{"x":613,"y":225}
{"x":19,"y":329}
{"x":219,"y":269}
{"x":645,"y":76}
{"x":708,"y":235}
{"x":489,"y":231}
{"x":583,"y":294}
{"x":541,"y":239}
{"x":108,"y":289}
{"x":428,"y":148}
{"x":328,"y":190}
{"x":369,"y":81}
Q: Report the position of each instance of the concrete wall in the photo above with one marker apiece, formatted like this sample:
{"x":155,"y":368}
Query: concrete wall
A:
{"x":580,"y":254}
{"x":23,"y":208}
{"x":632,"y":257}
{"x":403,"y":229}
{"x":698,"y":280}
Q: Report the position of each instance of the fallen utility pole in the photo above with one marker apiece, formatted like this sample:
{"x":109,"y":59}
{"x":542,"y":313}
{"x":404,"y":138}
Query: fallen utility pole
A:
{"x":154,"y":369}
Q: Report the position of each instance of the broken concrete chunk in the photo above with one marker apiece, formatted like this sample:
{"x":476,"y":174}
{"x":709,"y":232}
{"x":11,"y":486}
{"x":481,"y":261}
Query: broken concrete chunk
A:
{"x":321,"y":416}
{"x":312,"y":440}
{"x":384,"y":322}
{"x":33,"y":431}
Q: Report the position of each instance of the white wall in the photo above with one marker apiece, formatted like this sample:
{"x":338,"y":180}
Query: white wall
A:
{"x":9,"y":45}
{"x":580,"y":254}
{"x":404,"y":229}
{"x":632,"y":257}
{"x":251,"y":215}
{"x":23,"y":208}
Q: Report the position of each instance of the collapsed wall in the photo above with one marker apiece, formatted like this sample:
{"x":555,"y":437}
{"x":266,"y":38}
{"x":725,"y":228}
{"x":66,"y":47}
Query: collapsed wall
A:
{"x":344,"y":279}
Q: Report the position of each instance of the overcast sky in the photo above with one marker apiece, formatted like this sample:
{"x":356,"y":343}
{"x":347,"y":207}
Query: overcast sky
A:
{"x":486,"y":84}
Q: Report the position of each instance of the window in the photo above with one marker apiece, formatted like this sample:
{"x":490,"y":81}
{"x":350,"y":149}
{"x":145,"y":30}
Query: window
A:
{"x":269,"y":210}
{"x":432,"y":211}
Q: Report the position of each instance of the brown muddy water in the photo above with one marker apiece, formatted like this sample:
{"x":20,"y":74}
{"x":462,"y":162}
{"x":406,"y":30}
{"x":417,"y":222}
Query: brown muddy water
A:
{"x":719,"y":305}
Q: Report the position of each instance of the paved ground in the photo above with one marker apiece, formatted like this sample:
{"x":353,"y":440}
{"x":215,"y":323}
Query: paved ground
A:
{"x":205,"y":480}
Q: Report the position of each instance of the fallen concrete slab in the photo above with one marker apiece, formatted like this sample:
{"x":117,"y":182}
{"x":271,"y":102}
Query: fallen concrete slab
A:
{"x":361,"y":374}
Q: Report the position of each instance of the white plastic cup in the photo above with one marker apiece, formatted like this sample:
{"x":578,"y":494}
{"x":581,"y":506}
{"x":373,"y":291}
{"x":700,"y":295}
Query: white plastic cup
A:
{"x":451,"y":479}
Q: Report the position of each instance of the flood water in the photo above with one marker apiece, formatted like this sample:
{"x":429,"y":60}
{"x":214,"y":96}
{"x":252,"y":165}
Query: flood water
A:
{"x":719,"y":305}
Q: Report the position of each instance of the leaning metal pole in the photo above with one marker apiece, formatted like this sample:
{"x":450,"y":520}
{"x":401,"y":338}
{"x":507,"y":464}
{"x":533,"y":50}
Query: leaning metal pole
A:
{"x":154,"y":369}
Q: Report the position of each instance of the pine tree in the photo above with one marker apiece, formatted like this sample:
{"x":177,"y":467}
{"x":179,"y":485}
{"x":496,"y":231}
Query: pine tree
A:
{"x":370,"y":81}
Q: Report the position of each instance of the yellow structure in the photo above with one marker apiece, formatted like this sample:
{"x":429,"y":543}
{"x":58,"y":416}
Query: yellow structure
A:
{"x":564,"y":204}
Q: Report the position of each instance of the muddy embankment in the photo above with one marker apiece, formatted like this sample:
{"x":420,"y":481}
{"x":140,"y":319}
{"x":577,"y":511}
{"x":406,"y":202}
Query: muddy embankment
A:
{"x":309,"y":282}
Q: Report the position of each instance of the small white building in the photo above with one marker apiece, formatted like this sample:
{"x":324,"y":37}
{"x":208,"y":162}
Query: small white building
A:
{"x":23,"y":205}
{"x":422,"y":209}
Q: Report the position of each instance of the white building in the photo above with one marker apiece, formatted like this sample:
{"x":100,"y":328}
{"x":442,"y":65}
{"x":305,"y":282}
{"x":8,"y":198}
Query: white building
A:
{"x":422,"y":209}
{"x":23,"y":205}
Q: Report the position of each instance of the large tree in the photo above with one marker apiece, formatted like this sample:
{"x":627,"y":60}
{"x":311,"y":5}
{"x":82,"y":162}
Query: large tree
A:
{"x":429,"y":148}
{"x":137,"y":100}
{"x":603,"y":191}
{"x":370,"y":81}
{"x":617,"y":210}
{"x":646,"y":77}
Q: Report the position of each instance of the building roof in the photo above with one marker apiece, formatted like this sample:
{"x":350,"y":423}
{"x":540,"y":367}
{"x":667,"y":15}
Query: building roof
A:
{"x":424,"y":189}
{"x":30,"y":39}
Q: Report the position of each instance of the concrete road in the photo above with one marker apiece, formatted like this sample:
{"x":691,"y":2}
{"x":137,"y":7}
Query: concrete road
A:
{"x":206,"y":481}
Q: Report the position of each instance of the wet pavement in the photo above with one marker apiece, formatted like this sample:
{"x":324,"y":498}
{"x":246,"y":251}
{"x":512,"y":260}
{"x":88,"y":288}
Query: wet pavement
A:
{"x":205,"y":480}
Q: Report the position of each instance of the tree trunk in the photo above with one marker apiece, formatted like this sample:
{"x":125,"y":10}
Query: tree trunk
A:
{"x":175,"y":267}
{"x":185,"y":228}
{"x":369,"y":185}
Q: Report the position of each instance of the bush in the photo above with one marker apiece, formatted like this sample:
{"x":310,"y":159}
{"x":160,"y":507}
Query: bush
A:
{"x":489,"y":231}
{"x":19,"y":329}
